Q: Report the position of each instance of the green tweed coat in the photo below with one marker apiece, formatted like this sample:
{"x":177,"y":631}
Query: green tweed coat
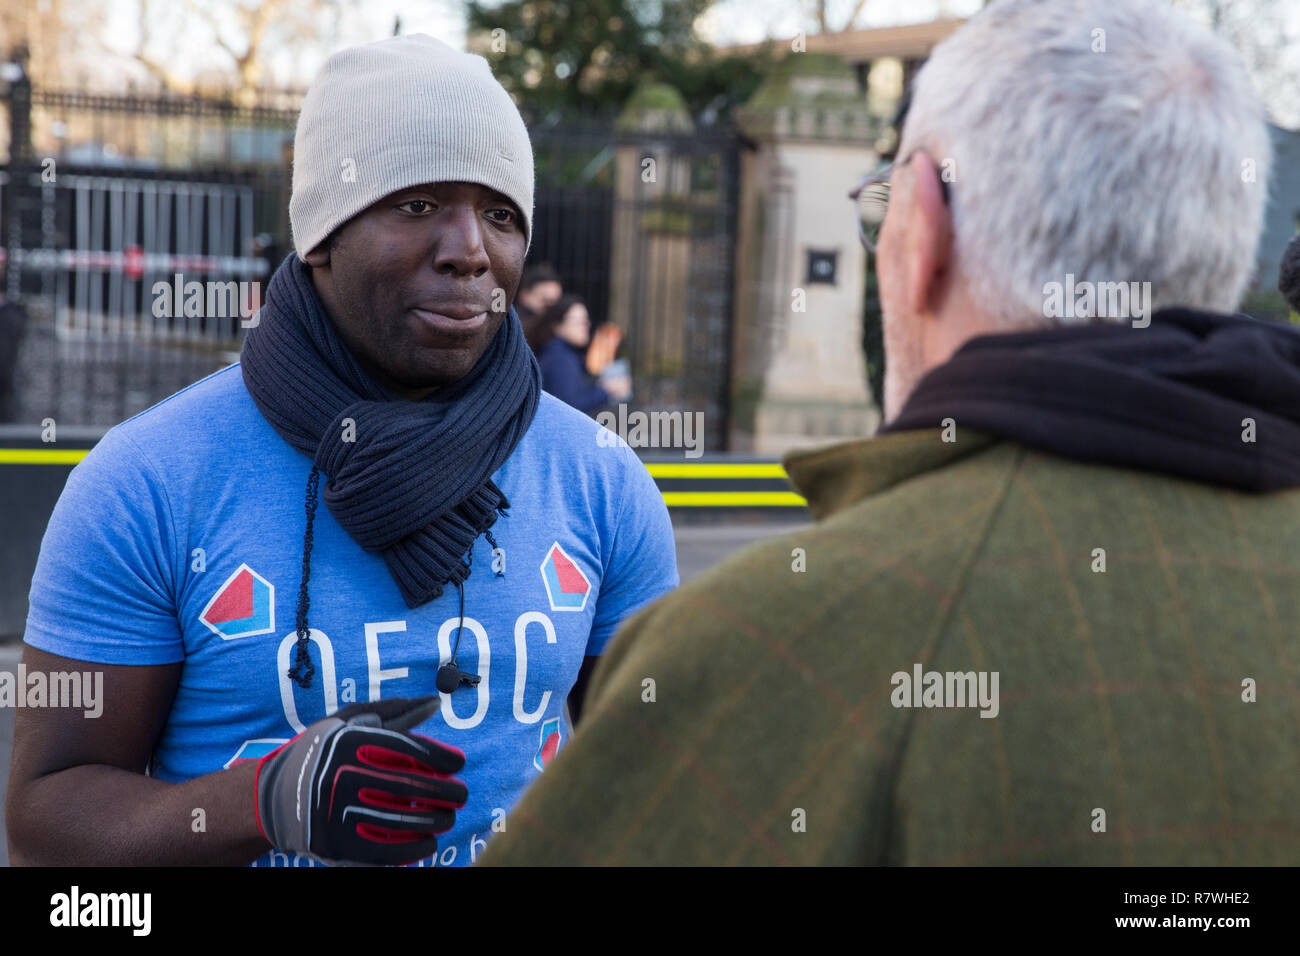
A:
{"x":1147,"y":713}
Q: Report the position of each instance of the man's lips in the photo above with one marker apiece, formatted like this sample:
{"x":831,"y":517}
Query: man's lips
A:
{"x":457,"y":323}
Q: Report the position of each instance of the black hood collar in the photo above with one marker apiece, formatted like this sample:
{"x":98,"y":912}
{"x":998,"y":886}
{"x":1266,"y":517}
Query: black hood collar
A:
{"x":1197,"y":394}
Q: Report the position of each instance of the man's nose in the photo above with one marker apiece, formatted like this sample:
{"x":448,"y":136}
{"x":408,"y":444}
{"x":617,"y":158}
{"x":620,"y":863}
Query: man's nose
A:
{"x":460,"y":250}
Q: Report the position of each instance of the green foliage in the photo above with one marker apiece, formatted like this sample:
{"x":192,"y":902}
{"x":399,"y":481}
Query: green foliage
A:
{"x":1267,"y":304}
{"x":666,"y":219}
{"x":590,"y":55}
{"x":746,"y":394}
{"x":873,"y":339}
{"x":573,"y":161}
{"x":655,"y":96}
{"x":780,"y":82}
{"x":655,"y":107}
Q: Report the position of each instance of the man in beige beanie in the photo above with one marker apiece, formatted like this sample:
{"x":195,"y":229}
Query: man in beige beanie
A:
{"x":270,"y":661}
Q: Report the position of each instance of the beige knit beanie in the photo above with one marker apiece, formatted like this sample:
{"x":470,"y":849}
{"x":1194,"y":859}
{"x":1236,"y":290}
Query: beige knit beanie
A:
{"x":390,"y":115}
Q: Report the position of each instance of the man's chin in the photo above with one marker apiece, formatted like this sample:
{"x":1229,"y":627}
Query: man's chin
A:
{"x":416,"y":385}
{"x":429,"y":368}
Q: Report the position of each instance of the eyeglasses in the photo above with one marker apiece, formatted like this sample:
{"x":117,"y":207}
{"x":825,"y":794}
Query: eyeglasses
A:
{"x":871,"y":199}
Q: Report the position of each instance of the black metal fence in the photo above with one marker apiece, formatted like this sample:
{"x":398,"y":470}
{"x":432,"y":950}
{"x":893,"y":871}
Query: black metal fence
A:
{"x":103,"y":197}
{"x":643,"y":227}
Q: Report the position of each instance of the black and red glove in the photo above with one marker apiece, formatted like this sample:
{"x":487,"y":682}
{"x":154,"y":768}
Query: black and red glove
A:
{"x":356,"y":787}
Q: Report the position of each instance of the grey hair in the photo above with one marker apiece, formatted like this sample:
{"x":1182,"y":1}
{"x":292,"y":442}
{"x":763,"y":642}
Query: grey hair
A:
{"x":1128,"y":165}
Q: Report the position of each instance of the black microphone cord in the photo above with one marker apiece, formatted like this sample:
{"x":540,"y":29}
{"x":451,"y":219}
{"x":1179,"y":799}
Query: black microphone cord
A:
{"x":449,"y":675}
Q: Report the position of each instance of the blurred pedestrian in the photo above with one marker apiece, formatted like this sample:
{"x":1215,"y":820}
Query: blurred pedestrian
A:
{"x":539,"y":289}
{"x":1288,"y":275}
{"x":566,"y":333}
{"x":13,"y":326}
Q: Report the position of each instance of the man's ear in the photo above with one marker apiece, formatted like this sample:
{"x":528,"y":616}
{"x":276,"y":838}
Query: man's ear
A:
{"x":319,"y":257}
{"x":929,"y":239}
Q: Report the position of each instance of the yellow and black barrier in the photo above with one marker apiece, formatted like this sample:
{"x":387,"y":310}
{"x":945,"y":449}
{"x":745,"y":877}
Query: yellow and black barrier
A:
{"x":724,"y":484}
{"x":42,"y":456}
{"x":684,"y":484}
{"x":32,"y":475}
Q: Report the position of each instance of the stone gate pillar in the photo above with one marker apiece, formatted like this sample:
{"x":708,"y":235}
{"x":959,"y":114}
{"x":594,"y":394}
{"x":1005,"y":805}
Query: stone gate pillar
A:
{"x":815,"y":137}
{"x":651,"y":240}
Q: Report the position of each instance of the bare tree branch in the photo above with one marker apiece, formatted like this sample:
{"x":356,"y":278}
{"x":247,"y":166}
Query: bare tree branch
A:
{"x":159,"y":71}
{"x":857,"y":10}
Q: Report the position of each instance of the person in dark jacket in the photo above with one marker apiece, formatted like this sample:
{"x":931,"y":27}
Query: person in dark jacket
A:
{"x":1288,"y":276}
{"x":566,"y":331}
{"x":13,"y":325}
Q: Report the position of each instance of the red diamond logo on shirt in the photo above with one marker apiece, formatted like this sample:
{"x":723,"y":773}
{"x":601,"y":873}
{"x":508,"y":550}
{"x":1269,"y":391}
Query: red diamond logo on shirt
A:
{"x":566,"y":584}
{"x":243,"y":606}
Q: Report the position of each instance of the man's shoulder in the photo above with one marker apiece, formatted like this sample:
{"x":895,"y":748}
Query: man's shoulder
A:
{"x":998,"y":534}
{"x":924,"y":518}
{"x":1008,"y":508}
{"x":568,"y":436}
{"x":214,"y":417}
{"x":555,"y":414}
{"x":216,"y":403}
{"x":887,"y":562}
{"x":216,"y":397}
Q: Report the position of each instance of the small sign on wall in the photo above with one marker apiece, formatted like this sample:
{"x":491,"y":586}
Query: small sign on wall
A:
{"x":821,"y":266}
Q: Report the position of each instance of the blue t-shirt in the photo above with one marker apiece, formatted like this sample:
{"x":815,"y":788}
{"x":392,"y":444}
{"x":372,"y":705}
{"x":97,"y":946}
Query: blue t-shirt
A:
{"x":179,"y":538}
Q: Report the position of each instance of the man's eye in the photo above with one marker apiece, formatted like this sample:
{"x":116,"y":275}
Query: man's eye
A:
{"x":417,"y":202}
{"x":503,"y":215}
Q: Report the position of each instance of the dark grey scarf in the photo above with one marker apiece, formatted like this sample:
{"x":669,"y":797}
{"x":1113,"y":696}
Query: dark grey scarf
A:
{"x":415,"y":485}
